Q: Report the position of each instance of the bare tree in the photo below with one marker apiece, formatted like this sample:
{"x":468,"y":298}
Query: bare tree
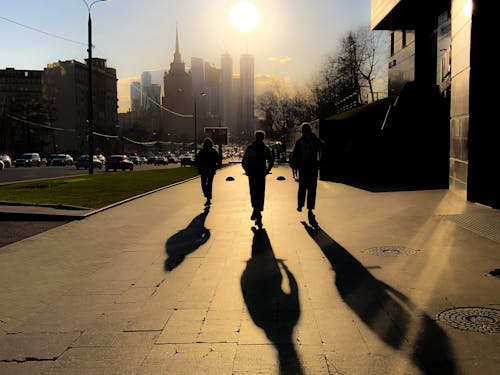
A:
{"x":282,"y":110}
{"x":344,"y":74}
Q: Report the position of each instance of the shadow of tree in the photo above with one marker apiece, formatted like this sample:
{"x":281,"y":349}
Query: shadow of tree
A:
{"x":387,"y":312}
{"x":186,"y":241}
{"x":271,"y":308}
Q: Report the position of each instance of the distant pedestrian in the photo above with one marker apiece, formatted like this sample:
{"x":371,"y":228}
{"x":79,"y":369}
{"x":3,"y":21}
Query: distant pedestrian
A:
{"x":207,"y":161}
{"x":257,"y":162}
{"x":305,"y":158}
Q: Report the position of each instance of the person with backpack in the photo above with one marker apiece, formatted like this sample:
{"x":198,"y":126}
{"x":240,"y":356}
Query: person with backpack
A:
{"x":257,"y":162}
{"x":207,"y":161}
{"x":305,"y":158}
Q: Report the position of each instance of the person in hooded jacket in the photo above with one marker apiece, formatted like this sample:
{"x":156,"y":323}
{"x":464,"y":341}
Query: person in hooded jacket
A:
{"x":207,"y":161}
{"x":305,"y":158}
{"x":257,"y":162}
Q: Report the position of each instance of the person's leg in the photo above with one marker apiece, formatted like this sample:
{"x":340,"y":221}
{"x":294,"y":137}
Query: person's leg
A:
{"x":203,"y":179}
{"x":209,"y":184}
{"x":312,"y":185}
{"x":252,"y":184}
{"x":260,"y":189}
{"x":301,"y":194}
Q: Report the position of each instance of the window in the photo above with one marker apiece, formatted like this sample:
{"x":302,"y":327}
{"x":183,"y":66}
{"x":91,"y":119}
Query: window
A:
{"x":392,"y":43}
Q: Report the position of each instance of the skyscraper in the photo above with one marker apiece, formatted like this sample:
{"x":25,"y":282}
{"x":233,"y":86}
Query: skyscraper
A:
{"x":247,"y":96}
{"x":135,"y":96}
{"x":145,"y":88}
{"x":226,"y":92}
{"x":178,"y":99}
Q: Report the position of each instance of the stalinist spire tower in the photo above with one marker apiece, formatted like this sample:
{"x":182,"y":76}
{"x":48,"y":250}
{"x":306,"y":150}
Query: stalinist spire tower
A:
{"x":178,"y":97}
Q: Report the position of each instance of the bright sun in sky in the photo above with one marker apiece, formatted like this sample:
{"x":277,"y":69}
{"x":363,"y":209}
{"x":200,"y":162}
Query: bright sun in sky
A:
{"x":244,"y":16}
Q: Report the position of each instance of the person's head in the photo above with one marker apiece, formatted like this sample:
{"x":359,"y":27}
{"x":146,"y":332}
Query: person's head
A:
{"x":207,"y":143}
{"x":306,"y":128}
{"x":260,"y":135}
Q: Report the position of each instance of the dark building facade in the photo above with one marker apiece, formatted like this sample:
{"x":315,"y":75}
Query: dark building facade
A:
{"x":437,"y":51}
{"x":24,"y":115}
{"x":65,"y":83}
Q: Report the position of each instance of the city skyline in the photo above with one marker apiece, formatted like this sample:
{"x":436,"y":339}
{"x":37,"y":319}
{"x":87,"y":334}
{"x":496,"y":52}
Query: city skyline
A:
{"x":289,"y":43}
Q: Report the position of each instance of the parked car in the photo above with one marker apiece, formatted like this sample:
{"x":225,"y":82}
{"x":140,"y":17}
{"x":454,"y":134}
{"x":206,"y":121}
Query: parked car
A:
{"x":160,"y":160}
{"x":119,"y":162}
{"x":60,"y":159}
{"x":28,"y":159}
{"x":135,"y":159}
{"x":187,"y":160}
{"x":83,"y":162}
{"x":7,"y":162}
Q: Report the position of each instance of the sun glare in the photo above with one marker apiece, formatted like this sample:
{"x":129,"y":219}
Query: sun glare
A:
{"x":244,"y":16}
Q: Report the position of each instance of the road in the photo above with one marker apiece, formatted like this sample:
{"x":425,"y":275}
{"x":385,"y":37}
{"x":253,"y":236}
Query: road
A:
{"x":10,"y":175}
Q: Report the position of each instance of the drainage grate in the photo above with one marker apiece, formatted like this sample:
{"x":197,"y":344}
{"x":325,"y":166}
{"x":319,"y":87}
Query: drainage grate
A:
{"x":486,"y":225}
{"x":476,"y":319}
{"x":390,"y":251}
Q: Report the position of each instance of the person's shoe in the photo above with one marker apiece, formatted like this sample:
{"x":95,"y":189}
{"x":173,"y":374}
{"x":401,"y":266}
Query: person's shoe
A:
{"x":312,"y":219}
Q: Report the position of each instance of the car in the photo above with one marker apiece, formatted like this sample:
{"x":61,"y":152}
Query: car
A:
{"x":2,"y":165}
{"x":28,"y":159}
{"x":135,"y":159}
{"x":119,"y":162}
{"x":187,"y":160}
{"x":160,"y":160}
{"x":7,"y":161}
{"x":60,"y":159}
{"x":83,"y":162}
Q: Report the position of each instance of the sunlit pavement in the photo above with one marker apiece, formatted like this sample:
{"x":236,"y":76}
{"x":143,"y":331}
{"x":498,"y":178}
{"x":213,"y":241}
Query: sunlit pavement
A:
{"x":390,"y":283}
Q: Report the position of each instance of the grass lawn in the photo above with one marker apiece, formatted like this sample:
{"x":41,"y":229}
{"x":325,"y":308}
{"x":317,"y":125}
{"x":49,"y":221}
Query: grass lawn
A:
{"x":93,"y":191}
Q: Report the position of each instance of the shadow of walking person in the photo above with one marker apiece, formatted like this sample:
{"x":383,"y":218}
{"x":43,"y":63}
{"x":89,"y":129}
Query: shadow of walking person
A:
{"x":390,"y":314}
{"x":271,"y":308}
{"x":186,"y":241}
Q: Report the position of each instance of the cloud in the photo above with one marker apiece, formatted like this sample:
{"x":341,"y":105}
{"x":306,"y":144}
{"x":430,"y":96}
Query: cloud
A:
{"x":266,"y":82}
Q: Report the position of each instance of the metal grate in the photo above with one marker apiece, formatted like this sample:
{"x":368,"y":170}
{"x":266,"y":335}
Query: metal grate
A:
{"x":476,"y":319}
{"x":484,"y":224}
{"x":390,"y":251}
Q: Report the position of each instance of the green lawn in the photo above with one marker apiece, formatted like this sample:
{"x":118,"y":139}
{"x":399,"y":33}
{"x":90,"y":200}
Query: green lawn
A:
{"x":93,"y":191}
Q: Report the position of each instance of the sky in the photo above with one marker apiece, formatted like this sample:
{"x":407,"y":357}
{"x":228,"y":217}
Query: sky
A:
{"x":289,"y":44}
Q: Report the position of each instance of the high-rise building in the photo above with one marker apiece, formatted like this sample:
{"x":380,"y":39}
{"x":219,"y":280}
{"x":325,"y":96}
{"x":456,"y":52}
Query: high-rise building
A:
{"x":213,"y":83}
{"x":145,"y":88}
{"x":178,"y":100}
{"x":135,"y":96}
{"x":247,"y":96}
{"x":227,"y":92}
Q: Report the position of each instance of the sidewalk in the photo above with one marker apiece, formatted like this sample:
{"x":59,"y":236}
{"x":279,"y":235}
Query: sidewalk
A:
{"x":391,"y":283}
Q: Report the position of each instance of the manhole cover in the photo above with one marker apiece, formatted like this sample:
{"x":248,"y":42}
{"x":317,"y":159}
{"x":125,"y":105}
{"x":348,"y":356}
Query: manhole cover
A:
{"x":390,"y":251}
{"x":476,"y":319}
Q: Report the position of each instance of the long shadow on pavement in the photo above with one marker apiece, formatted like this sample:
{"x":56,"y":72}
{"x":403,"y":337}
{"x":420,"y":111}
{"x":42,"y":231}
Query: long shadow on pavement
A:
{"x":387,"y":312}
{"x":271,"y":308}
{"x":186,"y":241}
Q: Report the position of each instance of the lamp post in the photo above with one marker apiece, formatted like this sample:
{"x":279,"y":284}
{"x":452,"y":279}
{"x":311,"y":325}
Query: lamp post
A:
{"x":90,"y":115}
{"x":195,"y":122}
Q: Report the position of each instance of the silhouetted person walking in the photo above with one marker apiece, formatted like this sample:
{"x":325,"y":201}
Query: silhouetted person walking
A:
{"x":305,"y":158}
{"x":207,"y":161}
{"x":257,"y":162}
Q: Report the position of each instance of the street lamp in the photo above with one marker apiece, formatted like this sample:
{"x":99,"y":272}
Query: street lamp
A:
{"x":195,"y":121}
{"x":90,"y":102}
